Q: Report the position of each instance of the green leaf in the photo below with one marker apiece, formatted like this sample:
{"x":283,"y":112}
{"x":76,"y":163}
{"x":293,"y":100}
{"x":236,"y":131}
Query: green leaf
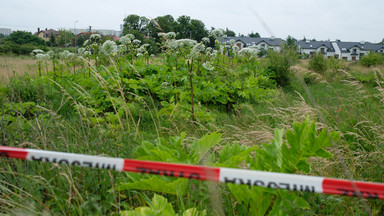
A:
{"x":159,"y":206}
{"x":194,"y":212}
{"x":158,"y":184}
{"x":204,"y":144}
{"x":288,"y":203}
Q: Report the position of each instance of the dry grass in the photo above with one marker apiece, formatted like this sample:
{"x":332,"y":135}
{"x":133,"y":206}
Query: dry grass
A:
{"x":16,"y":66}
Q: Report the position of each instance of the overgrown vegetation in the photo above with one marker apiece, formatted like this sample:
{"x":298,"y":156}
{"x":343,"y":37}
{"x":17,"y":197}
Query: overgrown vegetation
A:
{"x":372,"y":59}
{"x":190,"y":104}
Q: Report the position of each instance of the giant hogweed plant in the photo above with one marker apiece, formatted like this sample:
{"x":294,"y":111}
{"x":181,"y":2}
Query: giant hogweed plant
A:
{"x":289,"y":155}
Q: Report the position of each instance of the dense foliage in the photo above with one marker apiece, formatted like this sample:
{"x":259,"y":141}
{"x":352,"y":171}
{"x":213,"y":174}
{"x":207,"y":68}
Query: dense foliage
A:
{"x":190,"y":104}
{"x":21,"y":43}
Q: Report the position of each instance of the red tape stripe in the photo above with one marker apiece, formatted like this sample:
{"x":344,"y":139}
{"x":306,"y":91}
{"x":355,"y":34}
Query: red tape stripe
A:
{"x":352,"y":188}
{"x":216,"y":174}
{"x":174,"y":170}
{"x":12,"y":152}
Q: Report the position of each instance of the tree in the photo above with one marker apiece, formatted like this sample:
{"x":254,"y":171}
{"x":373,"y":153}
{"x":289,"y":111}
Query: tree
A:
{"x":23,"y":37}
{"x":291,"y":43}
{"x":254,"y":35}
{"x":52,"y":40}
{"x":80,"y":40}
{"x":183,"y":27}
{"x":198,"y":30}
{"x":190,"y":28}
{"x":65,"y":37}
{"x":229,"y":33}
{"x":136,"y":23}
{"x":161,"y":24}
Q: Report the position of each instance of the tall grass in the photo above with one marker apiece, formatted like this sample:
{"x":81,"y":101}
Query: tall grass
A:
{"x":345,"y":103}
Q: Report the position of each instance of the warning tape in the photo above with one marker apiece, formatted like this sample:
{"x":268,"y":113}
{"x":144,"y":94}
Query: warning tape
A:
{"x":291,"y":182}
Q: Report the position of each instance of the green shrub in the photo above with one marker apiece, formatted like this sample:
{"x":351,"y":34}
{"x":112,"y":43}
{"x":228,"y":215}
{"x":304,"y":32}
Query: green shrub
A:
{"x":24,"y":49}
{"x":279,"y":64}
{"x":318,"y":63}
{"x":372,"y":59}
{"x":335,"y":64}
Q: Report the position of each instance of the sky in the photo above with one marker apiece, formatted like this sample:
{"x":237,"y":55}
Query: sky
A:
{"x":347,"y":20}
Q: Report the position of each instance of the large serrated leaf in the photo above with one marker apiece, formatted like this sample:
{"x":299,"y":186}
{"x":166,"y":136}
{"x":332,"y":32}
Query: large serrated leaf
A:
{"x":157,"y":184}
{"x":204,"y":144}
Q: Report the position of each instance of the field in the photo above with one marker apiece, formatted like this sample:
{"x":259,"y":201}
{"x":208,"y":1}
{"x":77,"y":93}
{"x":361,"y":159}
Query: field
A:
{"x":16,"y":66}
{"x":194,"y":107}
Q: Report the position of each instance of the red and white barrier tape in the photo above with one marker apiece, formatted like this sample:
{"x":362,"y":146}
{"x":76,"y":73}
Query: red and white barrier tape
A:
{"x":291,"y":182}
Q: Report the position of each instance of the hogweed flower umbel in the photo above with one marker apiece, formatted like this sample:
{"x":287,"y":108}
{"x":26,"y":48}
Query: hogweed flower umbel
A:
{"x":109,"y":48}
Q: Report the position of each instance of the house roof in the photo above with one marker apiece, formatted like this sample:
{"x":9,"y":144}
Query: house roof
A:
{"x":249,"y":41}
{"x":346,"y":46}
{"x":48,"y":32}
{"x":316,"y":45}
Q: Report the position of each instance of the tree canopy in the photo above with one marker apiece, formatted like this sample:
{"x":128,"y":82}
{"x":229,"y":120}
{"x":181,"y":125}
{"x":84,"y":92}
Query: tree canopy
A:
{"x":23,"y":37}
{"x":254,"y":35}
{"x":183,"y":26}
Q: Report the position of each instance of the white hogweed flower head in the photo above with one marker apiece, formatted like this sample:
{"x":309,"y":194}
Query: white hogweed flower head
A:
{"x":86,"y":43}
{"x":167,"y":36}
{"x":66,"y":54}
{"x":36,"y":51}
{"x":196,"y":50}
{"x":218,"y":32}
{"x":235,"y":49}
{"x":109,"y":48}
{"x":186,"y":43}
{"x":143,"y":49}
{"x":232,"y":42}
{"x":136,"y":42}
{"x":208,"y":66}
{"x":249,"y":51}
{"x":205,"y":40}
{"x":95,"y":37}
{"x":127,"y":39}
{"x":87,"y":53}
{"x":42,"y":57}
{"x":51,"y":53}
{"x":81,"y":50}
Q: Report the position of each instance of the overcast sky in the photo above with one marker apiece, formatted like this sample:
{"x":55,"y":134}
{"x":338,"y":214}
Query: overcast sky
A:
{"x":347,"y":20}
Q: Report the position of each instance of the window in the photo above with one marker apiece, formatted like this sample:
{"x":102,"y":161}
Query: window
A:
{"x":322,"y":50}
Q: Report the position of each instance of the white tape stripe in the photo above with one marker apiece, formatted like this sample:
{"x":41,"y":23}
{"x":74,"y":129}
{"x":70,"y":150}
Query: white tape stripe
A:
{"x":273,"y":180}
{"x":76,"y":159}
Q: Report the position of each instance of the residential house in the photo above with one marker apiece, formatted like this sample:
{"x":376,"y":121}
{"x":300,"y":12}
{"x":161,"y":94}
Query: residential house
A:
{"x":45,"y":34}
{"x":261,"y":43}
{"x":311,"y":47}
{"x":353,"y":51}
{"x":349,"y":51}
